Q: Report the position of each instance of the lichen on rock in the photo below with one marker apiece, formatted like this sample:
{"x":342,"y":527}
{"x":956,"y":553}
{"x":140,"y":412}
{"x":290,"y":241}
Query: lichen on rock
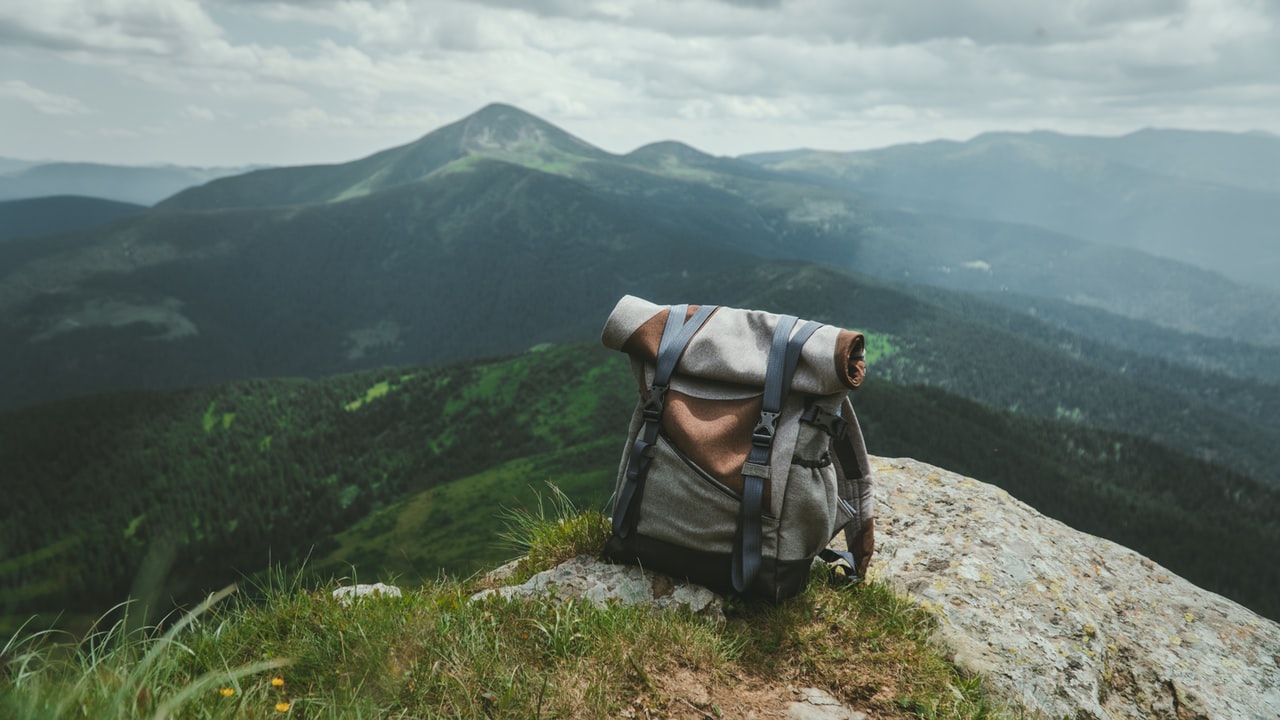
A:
{"x":594,"y":580}
{"x":1066,"y":623}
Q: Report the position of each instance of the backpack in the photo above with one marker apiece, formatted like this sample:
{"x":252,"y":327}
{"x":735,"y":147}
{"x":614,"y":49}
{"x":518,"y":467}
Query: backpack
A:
{"x":744,"y":457}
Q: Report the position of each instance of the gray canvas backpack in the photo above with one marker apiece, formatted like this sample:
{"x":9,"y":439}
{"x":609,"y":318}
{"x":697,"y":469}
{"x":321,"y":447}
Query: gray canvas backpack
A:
{"x":744,"y":457}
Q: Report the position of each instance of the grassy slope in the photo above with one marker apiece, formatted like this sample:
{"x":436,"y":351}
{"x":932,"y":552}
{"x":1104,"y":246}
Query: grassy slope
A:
{"x":434,"y":653}
{"x":450,"y":528}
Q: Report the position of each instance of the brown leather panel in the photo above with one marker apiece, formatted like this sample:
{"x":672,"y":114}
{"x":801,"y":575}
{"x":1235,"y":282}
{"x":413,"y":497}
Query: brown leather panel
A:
{"x":850,"y":358}
{"x":864,"y":545}
{"x":714,"y":434}
{"x":644,"y":342}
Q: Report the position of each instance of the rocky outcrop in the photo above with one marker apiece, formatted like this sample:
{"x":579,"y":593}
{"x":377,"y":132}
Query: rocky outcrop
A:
{"x":1066,"y":623}
{"x":597,"y":581}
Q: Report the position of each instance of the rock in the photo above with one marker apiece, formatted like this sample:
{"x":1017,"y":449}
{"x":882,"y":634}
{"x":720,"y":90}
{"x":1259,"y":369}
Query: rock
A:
{"x":1066,"y":623}
{"x":347,"y":595}
{"x":818,"y":704}
{"x":502,"y":573}
{"x":599,"y":582}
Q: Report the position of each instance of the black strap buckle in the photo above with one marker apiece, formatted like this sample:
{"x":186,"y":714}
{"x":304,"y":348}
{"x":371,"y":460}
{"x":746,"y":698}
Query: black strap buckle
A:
{"x":766,"y":428}
{"x":657,"y":401}
{"x":830,"y":423}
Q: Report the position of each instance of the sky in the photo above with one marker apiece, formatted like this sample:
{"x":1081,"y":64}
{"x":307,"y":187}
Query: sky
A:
{"x":238,"y":82}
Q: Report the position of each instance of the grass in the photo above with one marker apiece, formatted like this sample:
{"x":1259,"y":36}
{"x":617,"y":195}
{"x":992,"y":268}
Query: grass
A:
{"x":285,"y":649}
{"x":452,"y":526}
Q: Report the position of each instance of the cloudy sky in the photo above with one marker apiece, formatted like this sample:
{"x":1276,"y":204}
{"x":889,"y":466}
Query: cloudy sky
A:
{"x":231,"y":82}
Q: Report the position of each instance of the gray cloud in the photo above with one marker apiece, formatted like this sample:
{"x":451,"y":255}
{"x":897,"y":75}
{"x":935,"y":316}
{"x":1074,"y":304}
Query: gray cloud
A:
{"x":730,"y":76}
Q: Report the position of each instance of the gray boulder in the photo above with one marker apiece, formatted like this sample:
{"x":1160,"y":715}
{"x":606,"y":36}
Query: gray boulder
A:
{"x":594,"y":580}
{"x":1066,"y":623}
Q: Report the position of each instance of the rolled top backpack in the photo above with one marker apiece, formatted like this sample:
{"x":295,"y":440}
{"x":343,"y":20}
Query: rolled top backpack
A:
{"x":744,"y":457}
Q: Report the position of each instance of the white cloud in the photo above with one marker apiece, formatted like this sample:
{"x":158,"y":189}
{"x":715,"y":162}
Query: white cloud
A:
{"x":726,"y":76}
{"x":155,"y":27}
{"x":45,"y":102}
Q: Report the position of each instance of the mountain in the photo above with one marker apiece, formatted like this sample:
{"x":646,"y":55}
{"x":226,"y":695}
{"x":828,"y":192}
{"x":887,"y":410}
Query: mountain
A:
{"x":1244,"y":160}
{"x":116,"y":307}
{"x":57,"y":214}
{"x":487,"y":259}
{"x":122,"y":183}
{"x":483,"y":257}
{"x":1211,"y":200}
{"x":8,"y":165}
{"x":499,"y":132}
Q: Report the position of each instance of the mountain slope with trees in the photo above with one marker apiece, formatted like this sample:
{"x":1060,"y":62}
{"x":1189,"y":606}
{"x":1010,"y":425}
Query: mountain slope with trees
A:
{"x":58,"y":214}
{"x":168,"y":494}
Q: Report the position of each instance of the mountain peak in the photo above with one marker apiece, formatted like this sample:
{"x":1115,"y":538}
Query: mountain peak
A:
{"x":498,"y":131}
{"x":498,"y":128}
{"x":670,"y":152}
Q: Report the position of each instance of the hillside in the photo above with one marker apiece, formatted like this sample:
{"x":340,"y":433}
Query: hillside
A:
{"x":202,"y":485}
{"x":385,"y":305}
{"x":58,"y":214}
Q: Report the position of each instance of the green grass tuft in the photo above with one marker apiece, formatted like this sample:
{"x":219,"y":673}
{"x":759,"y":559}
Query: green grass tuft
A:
{"x":552,"y":533}
{"x":117,"y":673}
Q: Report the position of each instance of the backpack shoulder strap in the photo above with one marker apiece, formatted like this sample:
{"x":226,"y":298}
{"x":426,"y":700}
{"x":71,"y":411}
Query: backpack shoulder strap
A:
{"x":676,"y":335}
{"x":784,"y":357}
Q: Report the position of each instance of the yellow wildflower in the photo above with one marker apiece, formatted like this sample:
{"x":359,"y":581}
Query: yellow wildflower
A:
{"x":277,"y":681}
{"x":282,"y":707}
{"x":227,"y":692}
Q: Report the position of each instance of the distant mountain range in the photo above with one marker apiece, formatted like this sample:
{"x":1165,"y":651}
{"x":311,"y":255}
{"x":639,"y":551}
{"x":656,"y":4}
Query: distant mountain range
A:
{"x":1211,"y":200}
{"x":128,"y":184}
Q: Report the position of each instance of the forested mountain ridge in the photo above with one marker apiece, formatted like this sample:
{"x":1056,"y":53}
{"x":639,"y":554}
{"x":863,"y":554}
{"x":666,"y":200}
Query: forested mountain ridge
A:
{"x":429,"y":304}
{"x":58,"y":214}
